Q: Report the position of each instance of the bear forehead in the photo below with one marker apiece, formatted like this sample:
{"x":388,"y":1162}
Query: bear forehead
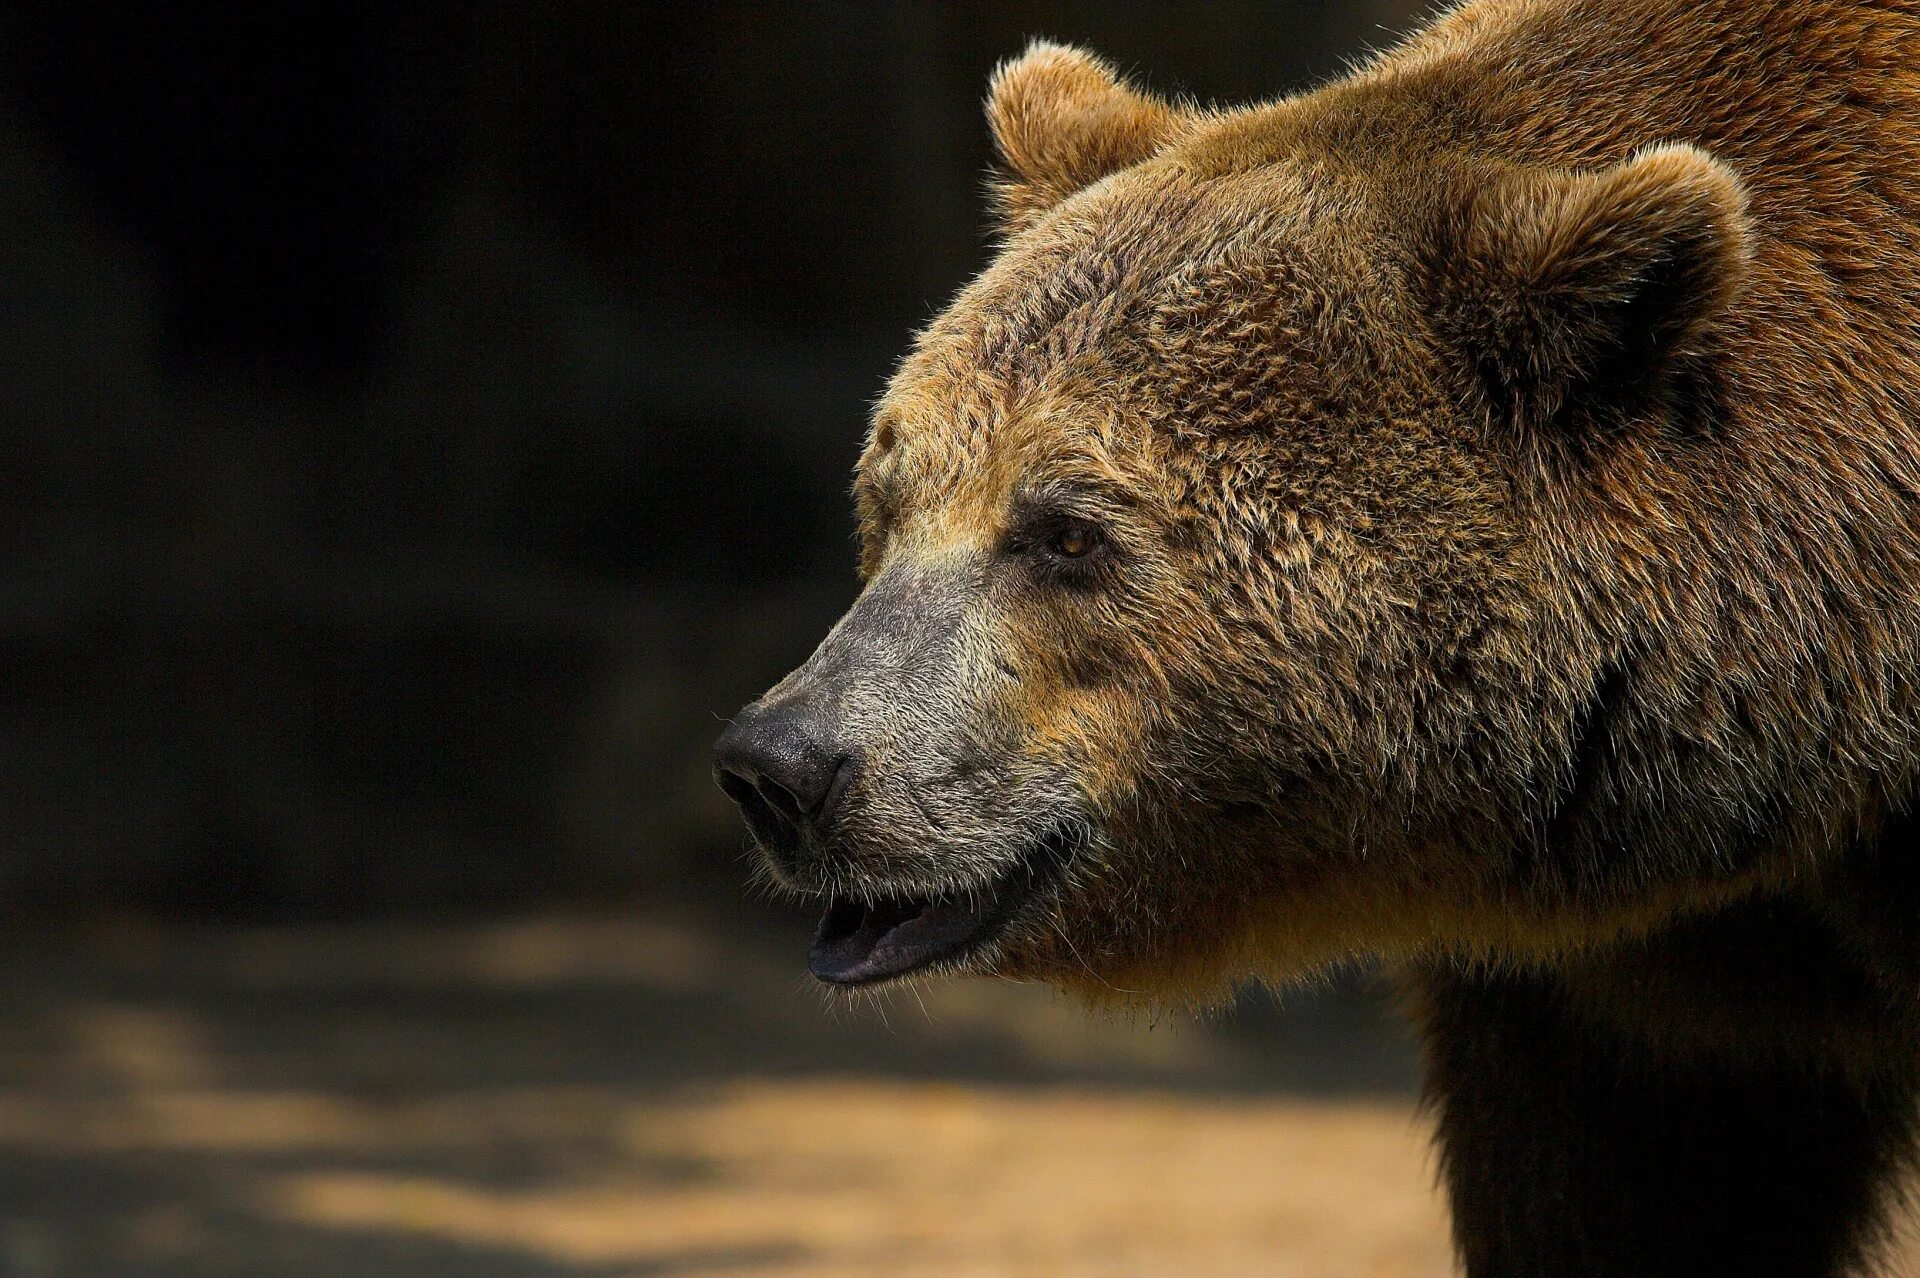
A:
{"x":1153,"y":238}
{"x":1154,"y":277}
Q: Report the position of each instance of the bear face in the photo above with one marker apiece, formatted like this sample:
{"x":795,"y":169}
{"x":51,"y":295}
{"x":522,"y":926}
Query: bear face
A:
{"x":1215,"y":622}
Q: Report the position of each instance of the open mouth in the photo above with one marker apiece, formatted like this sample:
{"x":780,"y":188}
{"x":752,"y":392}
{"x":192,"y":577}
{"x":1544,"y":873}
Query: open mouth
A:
{"x":859,"y":943}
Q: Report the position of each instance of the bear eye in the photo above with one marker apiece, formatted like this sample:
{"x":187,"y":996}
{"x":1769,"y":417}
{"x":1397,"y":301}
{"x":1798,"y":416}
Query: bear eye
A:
{"x":1076,"y":539}
{"x":1061,"y":547}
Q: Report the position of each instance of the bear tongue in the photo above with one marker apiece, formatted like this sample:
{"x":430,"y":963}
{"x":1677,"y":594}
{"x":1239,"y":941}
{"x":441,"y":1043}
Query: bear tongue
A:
{"x":858,"y":944}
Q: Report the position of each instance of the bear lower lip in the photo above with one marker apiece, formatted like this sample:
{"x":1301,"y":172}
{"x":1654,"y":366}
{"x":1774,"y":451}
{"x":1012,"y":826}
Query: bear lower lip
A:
{"x":860,"y":943}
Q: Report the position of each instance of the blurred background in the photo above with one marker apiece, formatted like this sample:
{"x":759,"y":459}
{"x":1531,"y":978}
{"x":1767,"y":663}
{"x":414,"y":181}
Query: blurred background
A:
{"x":419,"y":425}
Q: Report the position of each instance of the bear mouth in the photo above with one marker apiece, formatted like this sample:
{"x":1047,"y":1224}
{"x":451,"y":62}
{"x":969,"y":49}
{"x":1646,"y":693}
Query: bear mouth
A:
{"x":866,"y":941}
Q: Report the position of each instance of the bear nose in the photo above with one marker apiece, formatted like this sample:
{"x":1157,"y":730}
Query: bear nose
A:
{"x":781,"y":767}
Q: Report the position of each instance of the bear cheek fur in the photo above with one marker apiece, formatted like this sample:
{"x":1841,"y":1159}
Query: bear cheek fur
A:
{"x":1298,"y":694}
{"x":1275,"y":728}
{"x":1237,"y":846}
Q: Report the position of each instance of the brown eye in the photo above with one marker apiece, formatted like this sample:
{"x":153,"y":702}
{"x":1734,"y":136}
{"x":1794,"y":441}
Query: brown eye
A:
{"x":1075,"y":541}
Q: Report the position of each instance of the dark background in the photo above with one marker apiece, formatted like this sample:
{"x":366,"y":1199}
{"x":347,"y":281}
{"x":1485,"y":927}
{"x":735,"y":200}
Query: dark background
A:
{"x":418,"y":425}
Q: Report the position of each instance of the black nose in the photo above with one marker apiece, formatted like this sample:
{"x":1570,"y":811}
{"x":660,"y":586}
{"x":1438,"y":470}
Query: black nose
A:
{"x":781,"y":767}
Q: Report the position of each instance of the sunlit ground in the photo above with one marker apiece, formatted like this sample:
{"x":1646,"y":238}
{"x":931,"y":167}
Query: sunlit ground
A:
{"x":633,"y":1097}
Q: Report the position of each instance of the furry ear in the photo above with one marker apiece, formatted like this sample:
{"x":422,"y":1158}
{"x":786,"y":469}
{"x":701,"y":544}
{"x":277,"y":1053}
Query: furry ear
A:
{"x":1579,"y":295}
{"x":1063,"y":119}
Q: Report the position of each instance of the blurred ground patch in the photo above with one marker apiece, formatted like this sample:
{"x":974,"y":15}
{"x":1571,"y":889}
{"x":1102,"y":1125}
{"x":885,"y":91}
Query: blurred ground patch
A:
{"x":667,"y":1095}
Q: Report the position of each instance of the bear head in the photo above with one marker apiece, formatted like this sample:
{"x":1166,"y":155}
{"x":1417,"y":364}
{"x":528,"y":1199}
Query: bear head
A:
{"x":1227,"y":611}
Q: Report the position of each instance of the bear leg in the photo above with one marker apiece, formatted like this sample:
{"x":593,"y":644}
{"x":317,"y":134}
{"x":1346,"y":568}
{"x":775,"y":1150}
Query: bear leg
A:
{"x":1567,"y":1151}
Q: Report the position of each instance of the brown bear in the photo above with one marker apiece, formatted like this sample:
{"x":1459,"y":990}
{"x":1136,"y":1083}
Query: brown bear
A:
{"x":1468,"y":514}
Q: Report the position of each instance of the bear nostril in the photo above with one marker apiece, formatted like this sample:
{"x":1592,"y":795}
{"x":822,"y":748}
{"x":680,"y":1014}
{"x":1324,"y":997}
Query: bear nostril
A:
{"x":766,"y":822}
{"x":780,"y":799}
{"x":735,"y":786}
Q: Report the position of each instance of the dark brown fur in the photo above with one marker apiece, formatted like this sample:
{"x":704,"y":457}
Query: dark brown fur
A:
{"x":1509,"y":459}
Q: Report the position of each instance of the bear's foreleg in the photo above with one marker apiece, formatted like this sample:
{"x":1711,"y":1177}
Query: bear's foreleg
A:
{"x":1569,"y":1149}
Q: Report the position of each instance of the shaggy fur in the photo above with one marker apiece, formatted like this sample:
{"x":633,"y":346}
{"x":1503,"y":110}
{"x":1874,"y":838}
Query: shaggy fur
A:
{"x":1507,"y":469}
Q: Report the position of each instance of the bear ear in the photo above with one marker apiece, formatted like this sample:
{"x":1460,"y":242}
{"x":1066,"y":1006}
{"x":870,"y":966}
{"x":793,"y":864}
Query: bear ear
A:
{"x":1063,"y":119}
{"x":1580,"y":295}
